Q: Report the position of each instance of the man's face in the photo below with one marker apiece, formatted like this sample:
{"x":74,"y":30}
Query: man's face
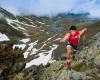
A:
{"x":73,"y":32}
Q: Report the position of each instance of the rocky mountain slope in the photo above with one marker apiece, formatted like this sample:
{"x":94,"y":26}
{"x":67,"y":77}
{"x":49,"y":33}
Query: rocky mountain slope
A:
{"x":12,"y":65}
{"x":38,"y":38}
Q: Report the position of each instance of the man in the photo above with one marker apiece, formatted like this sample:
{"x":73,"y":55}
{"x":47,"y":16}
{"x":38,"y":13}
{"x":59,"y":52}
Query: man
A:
{"x":72,"y":38}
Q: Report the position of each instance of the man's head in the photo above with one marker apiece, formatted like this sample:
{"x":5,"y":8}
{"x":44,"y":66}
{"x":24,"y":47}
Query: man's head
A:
{"x":73,"y":28}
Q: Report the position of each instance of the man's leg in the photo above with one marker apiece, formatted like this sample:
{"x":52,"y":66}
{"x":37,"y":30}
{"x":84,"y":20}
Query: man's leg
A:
{"x":69,"y":51}
{"x":75,"y":53}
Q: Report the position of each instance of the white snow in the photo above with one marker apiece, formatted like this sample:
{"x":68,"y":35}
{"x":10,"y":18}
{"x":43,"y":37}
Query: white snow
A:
{"x":43,"y":46}
{"x":34,"y":51}
{"x":49,"y":39}
{"x":30,"y":49}
{"x":21,"y":46}
{"x":10,"y":22}
{"x":22,"y":23}
{"x":19,"y":27}
{"x":31,"y":21}
{"x":42,"y":30}
{"x":3,"y":37}
{"x":40,"y":22}
{"x":26,"y":34}
{"x":44,"y":57}
{"x":28,"y":19}
{"x":52,"y":61}
{"x":47,"y":32}
{"x":12,"y":26}
{"x":25,"y":40}
{"x":57,"y":39}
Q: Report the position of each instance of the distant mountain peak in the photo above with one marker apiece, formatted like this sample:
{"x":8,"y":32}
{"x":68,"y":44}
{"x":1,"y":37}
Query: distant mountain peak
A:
{"x":73,"y":14}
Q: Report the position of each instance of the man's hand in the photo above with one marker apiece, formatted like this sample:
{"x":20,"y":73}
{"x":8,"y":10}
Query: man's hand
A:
{"x":66,"y":37}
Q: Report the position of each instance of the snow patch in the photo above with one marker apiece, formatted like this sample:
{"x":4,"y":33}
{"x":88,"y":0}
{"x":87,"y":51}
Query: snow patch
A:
{"x":30,"y":49}
{"x":43,"y":58}
{"x":31,"y":21}
{"x":57,"y":39}
{"x":47,"y":32}
{"x":21,"y":28}
{"x":21,"y":46}
{"x":34,"y":50}
{"x":43,"y":46}
{"x":40,"y":22}
{"x":51,"y":61}
{"x":49,"y":39}
{"x":26,"y":34}
{"x":3,"y":37}
{"x":10,"y":22}
{"x":42,"y":30}
{"x":25,"y":40}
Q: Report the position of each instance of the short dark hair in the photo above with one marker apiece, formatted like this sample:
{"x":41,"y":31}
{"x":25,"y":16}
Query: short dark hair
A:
{"x":73,"y":28}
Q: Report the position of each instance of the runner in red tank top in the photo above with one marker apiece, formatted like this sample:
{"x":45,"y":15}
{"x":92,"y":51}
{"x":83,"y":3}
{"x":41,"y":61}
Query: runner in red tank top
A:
{"x":72,"y":39}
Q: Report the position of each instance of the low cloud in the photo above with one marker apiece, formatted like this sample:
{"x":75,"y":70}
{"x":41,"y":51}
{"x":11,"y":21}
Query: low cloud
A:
{"x":51,"y":7}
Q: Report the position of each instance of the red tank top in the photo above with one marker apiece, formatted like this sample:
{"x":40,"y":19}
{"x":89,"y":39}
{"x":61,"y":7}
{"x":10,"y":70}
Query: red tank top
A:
{"x":74,"y":39}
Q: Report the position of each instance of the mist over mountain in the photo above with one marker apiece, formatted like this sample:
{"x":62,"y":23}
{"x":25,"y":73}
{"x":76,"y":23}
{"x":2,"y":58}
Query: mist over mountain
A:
{"x":52,"y":7}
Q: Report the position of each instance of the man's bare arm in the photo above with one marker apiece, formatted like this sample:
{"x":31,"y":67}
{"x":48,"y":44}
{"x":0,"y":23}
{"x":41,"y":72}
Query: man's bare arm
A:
{"x":66,"y":37}
{"x":83,"y":33}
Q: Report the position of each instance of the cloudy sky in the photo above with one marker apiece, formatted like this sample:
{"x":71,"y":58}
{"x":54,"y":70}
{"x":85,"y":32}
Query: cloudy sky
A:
{"x":51,"y":7}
